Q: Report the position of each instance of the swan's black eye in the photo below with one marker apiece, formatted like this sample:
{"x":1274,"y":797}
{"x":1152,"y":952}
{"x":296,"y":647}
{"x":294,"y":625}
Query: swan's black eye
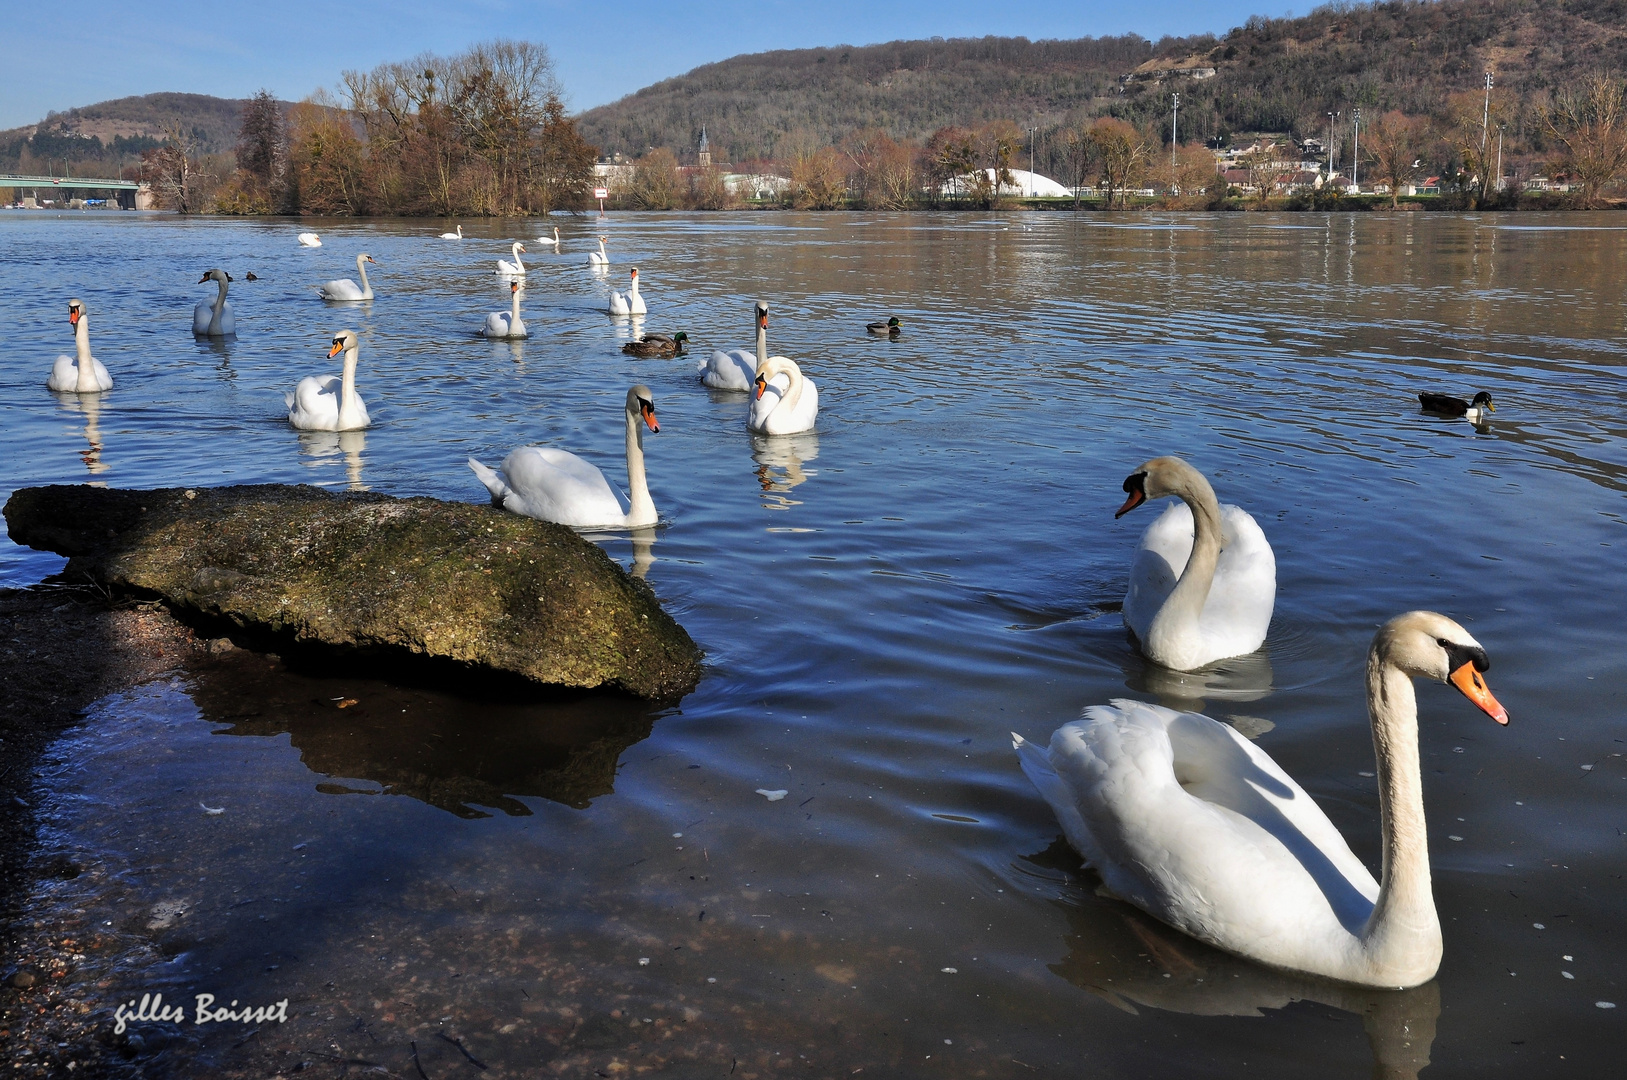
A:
{"x":1443,"y":643}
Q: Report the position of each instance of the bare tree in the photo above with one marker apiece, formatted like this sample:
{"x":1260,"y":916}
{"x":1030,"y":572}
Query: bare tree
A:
{"x":656,"y":181}
{"x":262,"y":144}
{"x":1392,"y":146}
{"x":818,"y":179}
{"x":1121,"y":152}
{"x":1591,"y":124}
{"x":173,"y":170}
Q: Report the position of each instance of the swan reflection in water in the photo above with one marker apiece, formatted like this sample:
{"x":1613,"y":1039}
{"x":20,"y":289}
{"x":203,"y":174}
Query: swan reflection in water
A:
{"x":221,"y":349}
{"x":1128,"y":959}
{"x":781,"y":466}
{"x":90,"y":407}
{"x":1227,"y":682}
{"x":510,"y":349}
{"x":320,"y":446}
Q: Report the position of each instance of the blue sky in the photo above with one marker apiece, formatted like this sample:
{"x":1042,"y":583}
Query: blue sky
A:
{"x":97,"y":50}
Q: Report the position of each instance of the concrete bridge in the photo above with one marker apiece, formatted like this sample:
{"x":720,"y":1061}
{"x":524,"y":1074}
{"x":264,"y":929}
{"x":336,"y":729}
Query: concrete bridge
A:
{"x":123,"y":190}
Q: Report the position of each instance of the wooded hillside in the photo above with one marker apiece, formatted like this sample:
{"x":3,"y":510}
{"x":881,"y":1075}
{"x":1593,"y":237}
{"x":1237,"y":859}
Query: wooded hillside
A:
{"x":1271,"y":75}
{"x":103,"y":138}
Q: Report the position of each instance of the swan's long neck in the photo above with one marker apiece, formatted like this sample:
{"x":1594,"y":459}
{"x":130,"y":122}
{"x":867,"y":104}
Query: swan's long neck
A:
{"x":518,"y":265}
{"x":793,"y":393}
{"x":361,"y":268}
{"x":516,"y":312}
{"x":1403,"y":929}
{"x":641,"y":508}
{"x":632,"y":293}
{"x":220,"y":306}
{"x":762,"y":344}
{"x":85,"y":366}
{"x":602,"y":254}
{"x":1179,"y":615}
{"x":347,"y":384}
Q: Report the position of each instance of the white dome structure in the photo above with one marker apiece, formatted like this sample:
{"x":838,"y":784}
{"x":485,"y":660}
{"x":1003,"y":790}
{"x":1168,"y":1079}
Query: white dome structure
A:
{"x":1027,"y":184}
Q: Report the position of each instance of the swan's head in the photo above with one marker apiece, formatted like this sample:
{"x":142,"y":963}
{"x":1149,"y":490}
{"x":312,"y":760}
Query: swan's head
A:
{"x":1424,"y":644}
{"x":1483,"y":399}
{"x":215,"y":275}
{"x":635,"y":273}
{"x":1158,"y":478}
{"x":364,"y":257}
{"x":774,"y":365}
{"x":343,"y":341}
{"x":516,"y":285}
{"x":642,"y":403}
{"x":604,"y":239}
{"x":762,"y":314}
{"x":76,"y":311}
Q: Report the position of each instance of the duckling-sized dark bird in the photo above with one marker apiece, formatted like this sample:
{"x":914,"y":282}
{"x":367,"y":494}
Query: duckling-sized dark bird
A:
{"x":1476,"y":411}
{"x":251,"y":276}
{"x":657,"y":345}
{"x":891,"y":327}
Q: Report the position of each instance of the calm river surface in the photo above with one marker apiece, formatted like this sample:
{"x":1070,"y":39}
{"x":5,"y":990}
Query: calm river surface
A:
{"x":596,"y":888}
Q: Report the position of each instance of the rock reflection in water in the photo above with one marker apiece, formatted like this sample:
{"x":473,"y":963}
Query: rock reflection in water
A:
{"x":1128,"y":959}
{"x":319,"y":446}
{"x":447,"y":751}
{"x":781,"y":466}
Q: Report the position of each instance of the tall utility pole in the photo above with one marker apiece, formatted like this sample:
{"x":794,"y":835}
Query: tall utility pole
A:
{"x":1355,"y":152}
{"x":1031,"y":132}
{"x":1332,"y":116}
{"x":1499,"y":157}
{"x":1174,"y":133}
{"x":1485,"y":115}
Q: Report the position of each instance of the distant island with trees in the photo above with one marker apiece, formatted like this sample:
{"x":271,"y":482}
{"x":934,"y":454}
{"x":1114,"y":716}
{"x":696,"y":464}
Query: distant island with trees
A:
{"x":1432,"y":103}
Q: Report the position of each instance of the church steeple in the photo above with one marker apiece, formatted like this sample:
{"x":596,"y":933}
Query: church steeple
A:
{"x":704,"y":157}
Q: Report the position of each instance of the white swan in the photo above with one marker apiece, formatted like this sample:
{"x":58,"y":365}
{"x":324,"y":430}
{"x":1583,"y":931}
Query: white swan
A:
{"x":309,"y":239}
{"x":786,"y":402}
{"x":453,"y":235}
{"x":1204,"y":579}
{"x":214,"y":318}
{"x":630,"y":302}
{"x":1189,"y":821}
{"x":330,"y":402}
{"x":81,"y":373}
{"x":599,"y":258}
{"x":346,"y":289}
{"x":554,"y":242}
{"x":735,"y":369}
{"x":506,"y":324}
{"x":555,"y":485}
{"x":515,"y":268}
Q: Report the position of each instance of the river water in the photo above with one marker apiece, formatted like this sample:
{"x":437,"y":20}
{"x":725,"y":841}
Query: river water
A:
{"x":598,"y":888}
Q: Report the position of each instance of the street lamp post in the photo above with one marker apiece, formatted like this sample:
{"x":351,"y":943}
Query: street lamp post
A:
{"x":1174,"y":134}
{"x":1332,"y":116}
{"x":1355,"y":152}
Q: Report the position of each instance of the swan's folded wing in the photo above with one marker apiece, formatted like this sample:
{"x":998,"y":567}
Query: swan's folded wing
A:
{"x":1165,"y":547}
{"x":1245,"y":587}
{"x":494,"y":483}
{"x":64,"y":374}
{"x":559,"y":486}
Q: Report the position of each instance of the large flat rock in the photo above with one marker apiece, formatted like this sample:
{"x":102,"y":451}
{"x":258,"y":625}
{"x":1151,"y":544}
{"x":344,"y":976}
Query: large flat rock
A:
{"x":470,"y":588}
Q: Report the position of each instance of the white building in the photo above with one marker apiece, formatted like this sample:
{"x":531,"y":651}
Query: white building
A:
{"x":1029,"y":185}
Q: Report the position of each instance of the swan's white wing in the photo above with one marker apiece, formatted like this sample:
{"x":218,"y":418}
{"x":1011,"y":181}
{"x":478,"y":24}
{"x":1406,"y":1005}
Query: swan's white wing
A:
{"x":201,"y":316}
{"x":556,"y":485}
{"x":314,"y":404}
{"x":104,"y":381}
{"x":340,"y":289}
{"x":1192,"y":823}
{"x":500,"y":491}
{"x":731,"y":370}
{"x":1165,"y":547}
{"x":1238,"y":611}
{"x":496,"y":324}
{"x":64,"y":375}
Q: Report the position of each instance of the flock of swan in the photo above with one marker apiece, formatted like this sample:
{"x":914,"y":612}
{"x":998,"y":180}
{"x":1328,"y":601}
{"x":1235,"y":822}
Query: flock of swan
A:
{"x":1180,"y":814}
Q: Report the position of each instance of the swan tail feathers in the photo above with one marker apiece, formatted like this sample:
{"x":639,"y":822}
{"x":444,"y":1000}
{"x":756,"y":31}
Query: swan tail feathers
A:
{"x":1036,"y":765}
{"x":500,"y":491}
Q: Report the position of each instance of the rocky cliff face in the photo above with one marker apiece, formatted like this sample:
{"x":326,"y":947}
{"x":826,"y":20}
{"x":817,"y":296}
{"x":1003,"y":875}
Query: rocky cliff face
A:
{"x":466,"y":590}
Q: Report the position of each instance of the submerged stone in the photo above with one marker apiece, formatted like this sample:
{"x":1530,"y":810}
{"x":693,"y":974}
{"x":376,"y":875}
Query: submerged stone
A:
{"x":365,"y":575}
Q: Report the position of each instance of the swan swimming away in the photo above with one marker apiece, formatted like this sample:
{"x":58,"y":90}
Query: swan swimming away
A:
{"x":630,"y":302}
{"x":214,"y":318}
{"x":309,"y":239}
{"x":515,"y":268}
{"x":1198,"y":592}
{"x":506,"y":324}
{"x":453,"y":235}
{"x":552,"y":242}
{"x":599,"y":258}
{"x":330,"y":402}
{"x":556,"y":485}
{"x":735,"y":369}
{"x":81,"y":373}
{"x":346,"y":289}
{"x":1193,"y":824}
{"x":785,"y":402}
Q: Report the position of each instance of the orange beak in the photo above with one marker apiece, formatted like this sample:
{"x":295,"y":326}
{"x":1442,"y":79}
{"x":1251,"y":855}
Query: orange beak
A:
{"x":1136,"y":499}
{"x":649,"y":418}
{"x":1472,"y":686}
{"x":73,"y":316}
{"x":763,"y":321}
{"x":761,"y":385}
{"x":337,"y":345}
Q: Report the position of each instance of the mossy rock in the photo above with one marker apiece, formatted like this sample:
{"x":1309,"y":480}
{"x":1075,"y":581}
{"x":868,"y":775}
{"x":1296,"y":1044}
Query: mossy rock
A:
{"x":469,"y":588}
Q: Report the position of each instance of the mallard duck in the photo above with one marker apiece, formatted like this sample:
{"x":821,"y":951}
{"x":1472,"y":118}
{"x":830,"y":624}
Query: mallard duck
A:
{"x":891,"y":327}
{"x":657,"y":345}
{"x":1474,"y":411}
